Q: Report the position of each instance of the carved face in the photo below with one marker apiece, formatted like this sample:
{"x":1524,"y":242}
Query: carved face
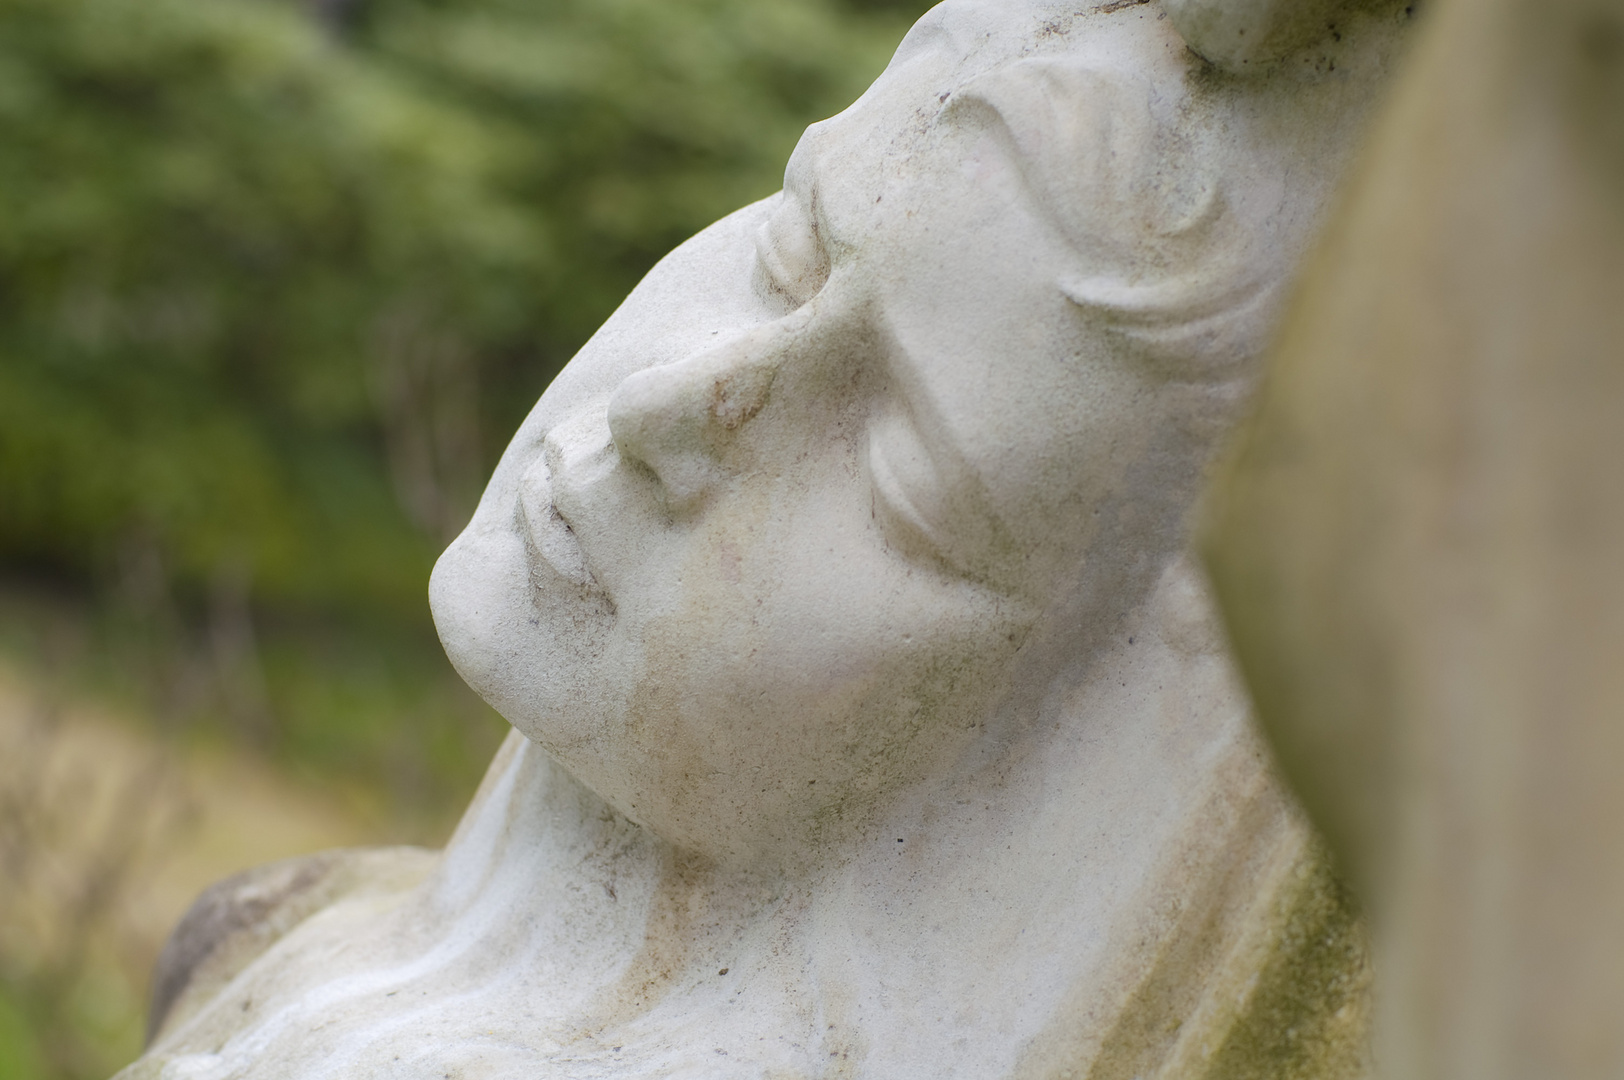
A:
{"x":787,"y":532}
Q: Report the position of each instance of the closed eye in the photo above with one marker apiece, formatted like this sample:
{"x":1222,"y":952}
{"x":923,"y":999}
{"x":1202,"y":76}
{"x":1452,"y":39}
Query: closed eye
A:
{"x":790,"y":254}
{"x":931,"y":507}
{"x":897,"y":477}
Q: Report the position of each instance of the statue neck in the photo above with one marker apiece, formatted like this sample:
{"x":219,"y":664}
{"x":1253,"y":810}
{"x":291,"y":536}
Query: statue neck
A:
{"x":1036,"y":851}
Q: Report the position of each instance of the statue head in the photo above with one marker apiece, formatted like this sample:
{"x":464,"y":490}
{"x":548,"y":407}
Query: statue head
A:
{"x":867,"y":511}
{"x":866,"y":469}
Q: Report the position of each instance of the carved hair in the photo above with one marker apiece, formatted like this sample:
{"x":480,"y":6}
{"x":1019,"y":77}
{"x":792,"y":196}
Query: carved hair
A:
{"x":1164,"y":259}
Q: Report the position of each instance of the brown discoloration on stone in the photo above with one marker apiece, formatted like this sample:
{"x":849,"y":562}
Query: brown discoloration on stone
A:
{"x":225,"y":909}
{"x":670,"y":931}
{"x":1257,"y":37}
{"x":1117,"y":5}
{"x":236,"y":920}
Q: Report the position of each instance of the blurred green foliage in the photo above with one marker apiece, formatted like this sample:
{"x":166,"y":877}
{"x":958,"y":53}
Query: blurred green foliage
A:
{"x":277,"y":280}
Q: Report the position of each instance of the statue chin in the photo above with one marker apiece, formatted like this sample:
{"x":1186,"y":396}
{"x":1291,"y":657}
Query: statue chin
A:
{"x":870,"y":720}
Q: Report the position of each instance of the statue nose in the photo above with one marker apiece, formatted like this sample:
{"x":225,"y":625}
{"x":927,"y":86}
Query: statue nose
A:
{"x":679,"y":419}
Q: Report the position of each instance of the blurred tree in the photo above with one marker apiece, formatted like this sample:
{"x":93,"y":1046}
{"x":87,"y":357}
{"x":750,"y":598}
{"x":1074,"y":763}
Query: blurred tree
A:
{"x":207,"y":211}
{"x":276,"y":279}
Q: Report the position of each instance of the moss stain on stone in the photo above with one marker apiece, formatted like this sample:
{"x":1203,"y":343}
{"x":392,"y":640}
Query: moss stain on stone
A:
{"x":1309,"y":1016}
{"x":1290,"y":1002}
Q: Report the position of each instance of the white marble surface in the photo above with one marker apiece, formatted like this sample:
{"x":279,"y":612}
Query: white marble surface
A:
{"x":870,"y":719}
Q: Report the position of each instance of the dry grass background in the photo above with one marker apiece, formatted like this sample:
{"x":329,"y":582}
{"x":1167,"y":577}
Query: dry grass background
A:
{"x":107,"y":832}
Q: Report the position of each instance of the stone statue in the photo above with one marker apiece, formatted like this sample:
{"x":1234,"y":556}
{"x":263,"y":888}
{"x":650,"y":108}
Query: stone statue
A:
{"x":870,"y":719}
{"x":1417,"y":544}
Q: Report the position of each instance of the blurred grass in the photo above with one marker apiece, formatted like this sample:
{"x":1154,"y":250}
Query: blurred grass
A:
{"x":277,"y":280}
{"x":373,"y":708}
{"x":106,"y":833}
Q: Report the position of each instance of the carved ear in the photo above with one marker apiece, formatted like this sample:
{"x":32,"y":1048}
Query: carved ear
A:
{"x":1243,"y":36}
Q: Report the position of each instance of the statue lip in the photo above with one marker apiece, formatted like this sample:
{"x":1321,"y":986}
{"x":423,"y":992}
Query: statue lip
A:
{"x":549,"y":539}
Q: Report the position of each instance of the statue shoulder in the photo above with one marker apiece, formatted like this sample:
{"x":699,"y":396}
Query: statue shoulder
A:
{"x":235,"y":920}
